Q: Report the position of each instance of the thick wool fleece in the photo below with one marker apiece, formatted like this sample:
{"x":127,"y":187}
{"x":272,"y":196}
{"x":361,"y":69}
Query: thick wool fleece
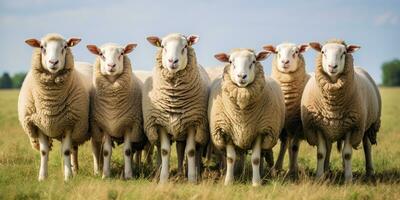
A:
{"x":54,"y":103}
{"x":351,"y":104}
{"x":117,"y":106}
{"x":292,"y":85}
{"x":176,"y":101}
{"x":241,"y":114}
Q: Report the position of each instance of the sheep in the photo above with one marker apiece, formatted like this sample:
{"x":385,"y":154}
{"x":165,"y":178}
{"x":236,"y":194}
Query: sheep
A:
{"x":54,"y":100}
{"x":341,"y":103}
{"x":116,"y":106}
{"x":288,"y":69}
{"x":175,"y":101}
{"x":246,"y":109}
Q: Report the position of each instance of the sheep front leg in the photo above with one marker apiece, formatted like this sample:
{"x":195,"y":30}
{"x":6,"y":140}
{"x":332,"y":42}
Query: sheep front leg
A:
{"x":107,"y":152}
{"x":328,"y":156}
{"x":255,"y":162}
{"x":190,"y":151}
{"x":294,"y":152}
{"x":180,"y":153}
{"x":369,"y":168}
{"x":66,"y":150}
{"x":321,"y":153}
{"x":127,"y":156}
{"x":96,"y":148}
{"x":74,"y":159}
{"x":346,"y":154}
{"x":165,"y":154}
{"x":230,"y":163}
{"x":281,"y":156}
{"x":44,"y":156}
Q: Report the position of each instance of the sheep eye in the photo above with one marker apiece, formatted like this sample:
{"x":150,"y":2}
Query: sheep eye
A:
{"x":162,"y":46}
{"x":323,"y":52}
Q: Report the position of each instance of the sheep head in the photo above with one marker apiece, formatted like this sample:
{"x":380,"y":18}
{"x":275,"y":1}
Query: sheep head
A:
{"x":53,"y":50}
{"x":111,"y":57}
{"x":287,"y":55}
{"x":334,"y":56}
{"x":242,"y":64}
{"x":174,"y":50}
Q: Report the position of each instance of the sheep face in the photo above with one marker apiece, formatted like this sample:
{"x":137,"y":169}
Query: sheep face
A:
{"x":53,"y":50}
{"x":174,"y":50}
{"x":334,"y":57}
{"x":287,"y":55}
{"x":111,"y":57}
{"x":242,"y":65}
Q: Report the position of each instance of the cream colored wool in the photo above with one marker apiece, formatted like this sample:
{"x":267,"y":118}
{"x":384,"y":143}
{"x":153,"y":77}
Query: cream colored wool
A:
{"x":351,"y":104}
{"x":241,"y":114}
{"x":292,"y":85}
{"x":54,"y":103}
{"x":117,"y":106}
{"x":176,"y":101}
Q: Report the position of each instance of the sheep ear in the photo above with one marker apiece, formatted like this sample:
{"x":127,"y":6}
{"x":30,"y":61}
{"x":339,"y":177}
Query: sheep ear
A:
{"x":316,"y":46}
{"x":93,"y":49}
{"x":352,"y":48}
{"x":303,"y":48}
{"x":73,"y":41}
{"x":129,"y":48}
{"x":33,"y":42}
{"x":262,"y":55}
{"x":154,"y":40}
{"x":270,"y":48}
{"x":192,"y":39}
{"x":223,"y":57}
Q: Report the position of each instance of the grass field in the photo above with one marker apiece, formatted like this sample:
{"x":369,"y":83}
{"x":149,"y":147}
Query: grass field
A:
{"x":19,"y":165}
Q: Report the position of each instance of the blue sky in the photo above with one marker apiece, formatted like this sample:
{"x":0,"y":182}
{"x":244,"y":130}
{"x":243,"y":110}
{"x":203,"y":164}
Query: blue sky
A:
{"x":221,"y":25}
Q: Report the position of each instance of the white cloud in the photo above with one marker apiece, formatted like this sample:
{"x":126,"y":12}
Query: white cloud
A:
{"x":387,"y":18}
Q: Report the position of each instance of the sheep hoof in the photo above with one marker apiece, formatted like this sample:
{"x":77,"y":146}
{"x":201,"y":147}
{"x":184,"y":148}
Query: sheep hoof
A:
{"x":256,"y":184}
{"x":105,"y":176}
{"x":228,"y":182}
{"x":42,"y":178}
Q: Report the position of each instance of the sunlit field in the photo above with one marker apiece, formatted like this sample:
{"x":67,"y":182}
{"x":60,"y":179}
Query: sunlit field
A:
{"x":19,"y":166}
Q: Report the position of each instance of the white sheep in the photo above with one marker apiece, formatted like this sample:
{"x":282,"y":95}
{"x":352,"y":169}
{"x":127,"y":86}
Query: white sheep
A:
{"x":54,"y":100}
{"x":341,"y":102}
{"x":288,"y":69}
{"x":116,"y":106}
{"x":175,"y":101}
{"x":246,"y":109}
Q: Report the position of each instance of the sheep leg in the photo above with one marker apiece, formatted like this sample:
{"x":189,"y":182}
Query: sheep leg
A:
{"x":321,"y":153}
{"x":230,"y":162}
{"x":44,"y":156}
{"x":165,"y":154}
{"x":199,"y":164}
{"x":294,"y":152}
{"x":127,"y":157}
{"x":281,"y":156}
{"x":107,"y":152}
{"x":148,"y":155}
{"x":369,"y":168}
{"x":346,"y":155}
{"x":138,"y":158}
{"x":328,"y":156}
{"x":74,"y":159}
{"x":96,"y":148}
{"x":190,"y":151}
{"x":66,"y":151}
{"x":255,"y":162}
{"x":180,"y":153}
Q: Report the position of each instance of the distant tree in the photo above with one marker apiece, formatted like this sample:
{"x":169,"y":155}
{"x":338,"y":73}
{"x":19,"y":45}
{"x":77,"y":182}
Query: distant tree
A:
{"x":5,"y":81}
{"x":18,"y":79}
{"x":391,"y":73}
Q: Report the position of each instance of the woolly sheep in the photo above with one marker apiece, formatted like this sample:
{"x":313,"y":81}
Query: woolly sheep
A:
{"x":116,"y":106}
{"x":246,"y":109}
{"x":175,"y":101}
{"x":288,"y":69}
{"x":54,"y":100}
{"x":341,"y":102}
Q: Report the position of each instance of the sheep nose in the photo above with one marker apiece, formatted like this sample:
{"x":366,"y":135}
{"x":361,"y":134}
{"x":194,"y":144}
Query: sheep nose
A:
{"x":111,"y":65}
{"x":285,"y":61}
{"x":173,"y":61}
{"x":242,"y":76}
{"x":333,"y":66}
{"x":53,"y":62}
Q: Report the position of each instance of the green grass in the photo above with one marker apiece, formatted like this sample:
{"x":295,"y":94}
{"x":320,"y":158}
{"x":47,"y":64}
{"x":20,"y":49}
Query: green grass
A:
{"x":19,"y":165}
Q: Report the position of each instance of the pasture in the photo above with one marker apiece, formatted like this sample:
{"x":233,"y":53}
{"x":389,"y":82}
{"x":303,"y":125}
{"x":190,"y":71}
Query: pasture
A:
{"x":19,"y":165}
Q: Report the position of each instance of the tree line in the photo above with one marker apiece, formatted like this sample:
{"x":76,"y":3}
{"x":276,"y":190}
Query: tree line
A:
{"x":390,"y":76}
